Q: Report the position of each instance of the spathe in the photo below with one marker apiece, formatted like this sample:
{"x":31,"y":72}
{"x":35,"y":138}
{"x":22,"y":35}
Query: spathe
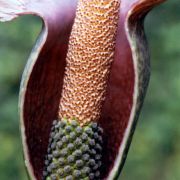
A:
{"x":42,"y":79}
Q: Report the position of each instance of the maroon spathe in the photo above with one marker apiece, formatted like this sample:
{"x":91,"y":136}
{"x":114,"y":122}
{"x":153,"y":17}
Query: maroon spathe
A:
{"x":43,"y":76}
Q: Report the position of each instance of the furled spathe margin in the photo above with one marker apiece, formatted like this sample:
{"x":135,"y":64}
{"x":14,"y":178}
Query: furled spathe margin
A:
{"x":42,"y":79}
{"x":137,"y":40}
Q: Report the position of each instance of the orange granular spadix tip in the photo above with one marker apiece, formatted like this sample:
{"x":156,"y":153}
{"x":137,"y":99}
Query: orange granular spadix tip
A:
{"x":90,"y":53}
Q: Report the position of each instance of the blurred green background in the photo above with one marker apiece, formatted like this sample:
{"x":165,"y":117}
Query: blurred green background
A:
{"x":155,"y":150}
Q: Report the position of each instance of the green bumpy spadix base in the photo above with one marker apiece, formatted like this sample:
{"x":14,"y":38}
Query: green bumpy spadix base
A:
{"x":74,"y":152}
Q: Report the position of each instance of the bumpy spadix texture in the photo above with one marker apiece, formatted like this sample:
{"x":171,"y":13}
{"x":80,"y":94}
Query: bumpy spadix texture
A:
{"x":74,"y":152}
{"x":90,"y":53}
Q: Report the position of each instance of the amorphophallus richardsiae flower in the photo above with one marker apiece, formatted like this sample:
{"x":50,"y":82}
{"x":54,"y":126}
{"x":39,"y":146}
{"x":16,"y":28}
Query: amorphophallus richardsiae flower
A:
{"x":88,"y":71}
